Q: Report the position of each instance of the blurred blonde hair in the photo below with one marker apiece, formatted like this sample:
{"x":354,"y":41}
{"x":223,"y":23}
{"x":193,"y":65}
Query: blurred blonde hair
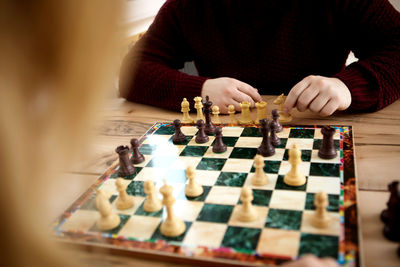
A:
{"x":57,"y":59}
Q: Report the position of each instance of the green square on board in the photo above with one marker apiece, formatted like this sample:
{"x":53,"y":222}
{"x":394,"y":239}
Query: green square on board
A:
{"x":243,"y":153}
{"x":165,"y":130}
{"x":231,"y":179}
{"x":271,"y":166}
{"x":301,"y":133}
{"x":211,"y":164}
{"x":228,"y":141}
{"x":319,"y":245}
{"x":251,"y":132}
{"x":280,"y":184}
{"x":284,"y":219}
{"x":194,"y":151}
{"x":325,"y":169}
{"x":240,"y":238}
{"x":215,"y":213}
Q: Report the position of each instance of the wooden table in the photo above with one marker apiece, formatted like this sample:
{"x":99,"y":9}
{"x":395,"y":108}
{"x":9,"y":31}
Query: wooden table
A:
{"x":377,"y":149}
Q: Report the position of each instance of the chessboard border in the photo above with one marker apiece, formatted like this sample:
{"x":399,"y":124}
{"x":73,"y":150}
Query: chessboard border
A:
{"x":349,"y":246}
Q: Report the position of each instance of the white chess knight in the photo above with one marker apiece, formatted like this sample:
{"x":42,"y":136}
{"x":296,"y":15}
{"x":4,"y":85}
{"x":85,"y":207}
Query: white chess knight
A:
{"x":172,"y":226}
{"x":108,"y":219}
{"x":259,"y":178}
{"x":124,"y":201}
{"x":247,"y":213}
{"x":294,"y":177}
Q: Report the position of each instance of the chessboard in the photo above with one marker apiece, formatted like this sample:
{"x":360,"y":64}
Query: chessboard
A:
{"x":213,"y":232}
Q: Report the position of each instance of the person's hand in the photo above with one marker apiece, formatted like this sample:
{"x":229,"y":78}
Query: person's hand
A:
{"x":312,"y":261}
{"x":321,"y":95}
{"x":226,"y":91}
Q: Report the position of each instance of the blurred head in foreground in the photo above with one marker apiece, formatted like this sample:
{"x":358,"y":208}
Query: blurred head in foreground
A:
{"x":57,"y":61}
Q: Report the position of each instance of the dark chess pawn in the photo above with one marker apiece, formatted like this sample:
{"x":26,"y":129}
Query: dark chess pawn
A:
{"x":391,"y":216}
{"x":327,"y":149}
{"x":275,"y":117}
{"x":201,"y":136}
{"x":137,"y":157}
{"x":275,"y":140}
{"x":219,"y":146}
{"x":126,"y":168}
{"x":392,"y":187}
{"x":209,"y":126}
{"x":178,"y":136}
{"x":266,"y":149}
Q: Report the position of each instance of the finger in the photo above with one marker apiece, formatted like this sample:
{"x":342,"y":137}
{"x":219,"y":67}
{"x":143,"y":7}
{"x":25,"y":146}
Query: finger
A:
{"x":306,"y":97}
{"x":249,"y":90}
{"x":318,"y":103}
{"x":242,"y":97}
{"x":294,"y":93}
{"x":329,"y":108}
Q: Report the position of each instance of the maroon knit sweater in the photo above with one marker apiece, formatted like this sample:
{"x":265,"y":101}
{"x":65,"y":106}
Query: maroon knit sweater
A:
{"x":270,"y":45}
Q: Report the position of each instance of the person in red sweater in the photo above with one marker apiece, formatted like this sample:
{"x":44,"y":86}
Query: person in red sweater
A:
{"x":242,"y":49}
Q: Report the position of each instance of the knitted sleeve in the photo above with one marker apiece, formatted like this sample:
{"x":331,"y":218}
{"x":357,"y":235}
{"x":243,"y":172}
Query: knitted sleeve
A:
{"x":372,"y":28}
{"x":149,"y":72}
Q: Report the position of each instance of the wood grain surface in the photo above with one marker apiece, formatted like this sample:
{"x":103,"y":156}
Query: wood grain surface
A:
{"x":377,"y":150}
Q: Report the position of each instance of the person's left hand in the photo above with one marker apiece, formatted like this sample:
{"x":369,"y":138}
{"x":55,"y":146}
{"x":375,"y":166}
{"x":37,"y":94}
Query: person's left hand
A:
{"x":321,"y":95}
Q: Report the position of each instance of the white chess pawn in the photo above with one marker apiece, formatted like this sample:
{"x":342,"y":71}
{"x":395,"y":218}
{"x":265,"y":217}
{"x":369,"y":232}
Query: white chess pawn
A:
{"x":216,"y":119}
{"x":152,"y":202}
{"x":108,"y":219}
{"x":321,"y":218}
{"x":284,"y":117}
{"x":172,"y":226}
{"x":232,"y":117}
{"x":124,"y":201}
{"x":198,"y":105}
{"x":247,"y":212}
{"x":259,"y":178}
{"x":185,"y":110}
{"x":193,"y":189}
{"x":294,"y":177}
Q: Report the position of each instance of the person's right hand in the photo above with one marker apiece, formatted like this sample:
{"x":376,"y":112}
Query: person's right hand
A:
{"x":228,"y":91}
{"x":312,"y":261}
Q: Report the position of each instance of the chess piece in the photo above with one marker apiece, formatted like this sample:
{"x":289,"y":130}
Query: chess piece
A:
{"x":392,"y":188}
{"x":209,"y":126}
{"x":219,"y":146}
{"x":108,"y":219}
{"x":152,"y":202}
{"x":265,"y":149}
{"x":321,"y":218}
{"x":124,"y":201}
{"x":193,"y":189}
{"x":327,"y":149}
{"x":247,"y":213}
{"x":178,"y":136}
{"x":275,"y":117}
{"x":275,"y":140}
{"x":137,"y":157}
{"x":232,"y":117}
{"x":172,"y":226}
{"x":261,"y":111}
{"x":126,"y":167}
{"x":294,"y":177}
{"x":284,"y":117}
{"x":185,"y":110}
{"x":201,"y":136}
{"x":391,"y":216}
{"x":198,"y":105}
{"x":259,"y":178}
{"x":246,"y":114}
{"x":215,"y":112}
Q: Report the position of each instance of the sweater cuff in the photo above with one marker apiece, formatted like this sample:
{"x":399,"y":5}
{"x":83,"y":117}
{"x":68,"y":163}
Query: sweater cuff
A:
{"x":188,"y":86}
{"x":364,"y":95}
